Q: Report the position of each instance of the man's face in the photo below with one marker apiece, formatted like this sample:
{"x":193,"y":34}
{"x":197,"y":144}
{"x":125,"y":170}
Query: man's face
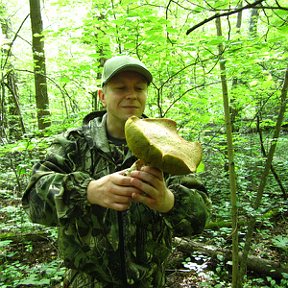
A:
{"x":124,"y":95}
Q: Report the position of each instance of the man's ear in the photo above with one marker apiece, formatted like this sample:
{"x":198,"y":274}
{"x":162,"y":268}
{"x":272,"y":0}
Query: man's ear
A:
{"x":102,"y":97}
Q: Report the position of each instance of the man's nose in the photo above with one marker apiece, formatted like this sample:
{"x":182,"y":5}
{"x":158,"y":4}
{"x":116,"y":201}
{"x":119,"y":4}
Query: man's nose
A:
{"x":131,"y":94}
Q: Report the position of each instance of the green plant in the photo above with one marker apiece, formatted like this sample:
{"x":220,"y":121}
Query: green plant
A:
{"x":42,"y":275}
{"x":281,"y":242}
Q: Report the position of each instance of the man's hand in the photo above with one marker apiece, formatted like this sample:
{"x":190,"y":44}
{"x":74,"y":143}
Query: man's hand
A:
{"x":153,"y":191}
{"x":112,"y":191}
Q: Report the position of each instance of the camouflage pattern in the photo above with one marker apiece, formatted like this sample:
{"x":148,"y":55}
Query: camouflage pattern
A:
{"x":89,"y":234}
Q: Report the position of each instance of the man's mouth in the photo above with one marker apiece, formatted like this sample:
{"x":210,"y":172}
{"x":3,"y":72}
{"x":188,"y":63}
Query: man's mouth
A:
{"x":130,"y":107}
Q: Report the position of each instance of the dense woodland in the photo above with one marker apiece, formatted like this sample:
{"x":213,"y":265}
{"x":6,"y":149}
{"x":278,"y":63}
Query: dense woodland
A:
{"x":220,"y":71}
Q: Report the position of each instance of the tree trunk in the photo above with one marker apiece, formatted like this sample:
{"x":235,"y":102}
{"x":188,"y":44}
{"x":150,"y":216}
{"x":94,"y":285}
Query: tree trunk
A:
{"x":10,"y":119}
{"x":15,"y":120}
{"x":253,"y":22}
{"x":235,"y":111}
{"x":41,"y":94}
{"x":100,"y":50}
{"x":230,"y":148}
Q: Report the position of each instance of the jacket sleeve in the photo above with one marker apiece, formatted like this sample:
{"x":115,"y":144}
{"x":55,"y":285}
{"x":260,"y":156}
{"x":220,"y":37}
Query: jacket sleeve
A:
{"x":56,"y":189}
{"x":192,"y":206}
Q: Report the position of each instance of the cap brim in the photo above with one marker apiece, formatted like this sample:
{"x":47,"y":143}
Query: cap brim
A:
{"x":132,"y":67}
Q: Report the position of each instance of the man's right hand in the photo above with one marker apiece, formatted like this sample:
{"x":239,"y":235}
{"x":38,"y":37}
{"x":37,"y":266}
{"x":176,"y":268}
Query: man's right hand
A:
{"x":112,"y":191}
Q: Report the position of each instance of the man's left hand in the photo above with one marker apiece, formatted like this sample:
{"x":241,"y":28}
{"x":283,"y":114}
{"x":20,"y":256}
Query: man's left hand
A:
{"x":154,"y":194}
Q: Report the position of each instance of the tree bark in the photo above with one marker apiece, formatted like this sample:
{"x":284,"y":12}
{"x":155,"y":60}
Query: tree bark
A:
{"x":41,"y":94}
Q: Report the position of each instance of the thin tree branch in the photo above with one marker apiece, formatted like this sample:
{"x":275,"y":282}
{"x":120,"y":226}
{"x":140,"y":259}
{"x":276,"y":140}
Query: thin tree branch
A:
{"x":62,"y":90}
{"x":13,"y":40}
{"x":184,"y":93}
{"x":218,"y":15}
{"x":264,"y":153}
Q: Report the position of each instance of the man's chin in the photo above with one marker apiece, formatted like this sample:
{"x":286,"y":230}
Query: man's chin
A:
{"x":138,"y":114}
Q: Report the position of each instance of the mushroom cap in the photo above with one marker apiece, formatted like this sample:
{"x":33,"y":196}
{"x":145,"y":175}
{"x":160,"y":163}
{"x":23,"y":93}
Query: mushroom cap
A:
{"x":157,"y":143}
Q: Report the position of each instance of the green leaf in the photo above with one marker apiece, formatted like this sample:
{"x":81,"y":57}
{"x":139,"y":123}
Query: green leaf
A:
{"x":201,"y":167}
{"x":34,"y":280}
{"x":5,"y":243}
{"x":281,"y":242}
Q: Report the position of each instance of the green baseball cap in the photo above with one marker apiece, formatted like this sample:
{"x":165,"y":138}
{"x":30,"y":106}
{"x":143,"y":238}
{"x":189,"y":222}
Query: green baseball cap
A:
{"x":118,"y":64}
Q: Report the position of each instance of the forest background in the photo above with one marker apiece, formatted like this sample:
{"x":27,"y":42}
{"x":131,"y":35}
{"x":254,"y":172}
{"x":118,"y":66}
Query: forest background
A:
{"x":220,"y":71}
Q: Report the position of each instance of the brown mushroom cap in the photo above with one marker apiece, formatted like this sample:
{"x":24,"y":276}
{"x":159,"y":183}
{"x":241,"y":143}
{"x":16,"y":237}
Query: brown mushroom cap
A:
{"x":157,"y":143}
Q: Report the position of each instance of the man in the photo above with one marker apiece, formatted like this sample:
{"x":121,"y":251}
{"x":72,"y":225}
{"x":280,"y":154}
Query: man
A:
{"x":114,"y":230}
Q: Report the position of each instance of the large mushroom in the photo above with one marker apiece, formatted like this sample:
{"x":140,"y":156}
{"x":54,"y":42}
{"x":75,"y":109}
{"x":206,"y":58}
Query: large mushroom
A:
{"x":156,"y":143}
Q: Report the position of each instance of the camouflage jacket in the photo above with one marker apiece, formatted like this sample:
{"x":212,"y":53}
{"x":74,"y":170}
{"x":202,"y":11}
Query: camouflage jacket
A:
{"x":103,"y":244}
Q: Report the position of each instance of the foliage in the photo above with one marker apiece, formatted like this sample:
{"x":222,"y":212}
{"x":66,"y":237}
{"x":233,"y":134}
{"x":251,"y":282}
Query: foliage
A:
{"x":186,"y":87}
{"x":281,"y":242}
{"x":42,"y":275}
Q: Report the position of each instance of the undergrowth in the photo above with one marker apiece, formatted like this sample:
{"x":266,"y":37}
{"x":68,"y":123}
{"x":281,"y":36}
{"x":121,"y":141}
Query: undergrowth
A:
{"x":29,"y":256}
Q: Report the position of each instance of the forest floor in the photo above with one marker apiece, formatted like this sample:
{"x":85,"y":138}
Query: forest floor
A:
{"x":43,"y":251}
{"x":32,"y":250}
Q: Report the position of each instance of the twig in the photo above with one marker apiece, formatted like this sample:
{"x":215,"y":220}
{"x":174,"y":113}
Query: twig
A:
{"x":277,"y":178}
{"x":13,"y":40}
{"x":218,"y":15}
